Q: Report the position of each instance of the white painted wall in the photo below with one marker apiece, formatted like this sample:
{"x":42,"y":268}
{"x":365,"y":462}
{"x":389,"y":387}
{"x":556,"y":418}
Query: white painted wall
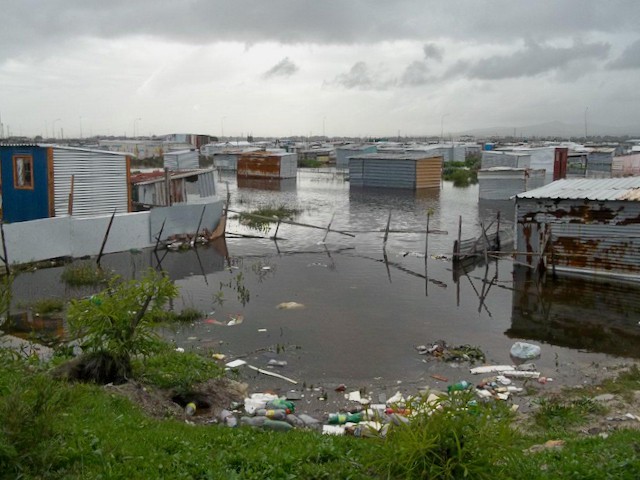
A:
{"x":56,"y":237}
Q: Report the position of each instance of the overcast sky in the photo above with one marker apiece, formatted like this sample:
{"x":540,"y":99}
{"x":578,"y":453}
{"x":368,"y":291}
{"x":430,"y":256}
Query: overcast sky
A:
{"x":298,"y":67}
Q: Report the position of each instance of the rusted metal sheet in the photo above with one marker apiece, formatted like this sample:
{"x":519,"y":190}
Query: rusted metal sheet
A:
{"x":580,"y":236}
{"x":267,"y":165}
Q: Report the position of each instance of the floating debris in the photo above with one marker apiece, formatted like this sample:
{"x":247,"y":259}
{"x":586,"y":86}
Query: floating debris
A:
{"x":289,"y":305}
{"x":442,"y":351}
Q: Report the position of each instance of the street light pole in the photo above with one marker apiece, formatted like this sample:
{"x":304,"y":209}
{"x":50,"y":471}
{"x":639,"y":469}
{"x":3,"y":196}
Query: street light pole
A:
{"x":442,"y":127}
{"x":586,"y":133}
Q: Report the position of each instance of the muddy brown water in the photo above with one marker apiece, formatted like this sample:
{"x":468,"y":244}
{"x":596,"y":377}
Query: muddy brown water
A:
{"x":363,"y":317}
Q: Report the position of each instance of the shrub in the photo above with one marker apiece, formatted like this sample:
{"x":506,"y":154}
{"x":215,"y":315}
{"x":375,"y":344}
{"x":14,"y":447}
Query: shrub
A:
{"x":84,"y":274}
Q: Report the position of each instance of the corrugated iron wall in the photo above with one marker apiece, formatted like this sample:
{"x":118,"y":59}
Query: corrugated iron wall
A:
{"x":207,"y":184}
{"x":504,"y":184}
{"x":100,"y":182}
{"x":181,"y":160}
{"x":226,"y":161}
{"x":429,"y":173}
{"x":383,"y":173}
{"x":504,"y":159}
{"x":268,"y":165}
{"x":588,"y":236}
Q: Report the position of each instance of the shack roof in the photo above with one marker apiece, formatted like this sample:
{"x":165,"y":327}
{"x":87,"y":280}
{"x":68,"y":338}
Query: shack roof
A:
{"x":588,"y":189}
{"x":63,"y":147}
{"x":146,"y":178}
{"x":397,"y":156}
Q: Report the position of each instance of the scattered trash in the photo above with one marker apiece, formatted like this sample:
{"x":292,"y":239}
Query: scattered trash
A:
{"x":520,"y":374}
{"x":190,"y":409}
{"x":277,"y":363}
{"x":333,"y":429}
{"x":318,"y":264}
{"x":439,"y":377}
{"x":354,"y":396}
{"x":525,"y":351}
{"x":272,"y":374}
{"x":491,"y":369}
{"x":442,"y":351}
{"x":180,"y":350}
{"x":262,"y":329}
{"x":219,"y":356}
{"x":294,"y":395}
{"x":289,"y":305}
{"x":233,"y":320}
{"x":266,"y":268}
{"x":341,"y":388}
{"x":458,"y":386}
{"x":342,"y":418}
{"x":235,"y":363}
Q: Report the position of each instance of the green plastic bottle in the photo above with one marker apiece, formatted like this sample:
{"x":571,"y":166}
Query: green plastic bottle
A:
{"x":281,"y":404}
{"x":342,"y":418}
{"x":461,"y":385}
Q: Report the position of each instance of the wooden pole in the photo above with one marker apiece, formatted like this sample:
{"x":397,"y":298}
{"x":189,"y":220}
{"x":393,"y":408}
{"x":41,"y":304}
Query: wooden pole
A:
{"x":426,"y":255}
{"x":159,"y":235}
{"x":106,"y":235}
{"x":275,"y":235}
{"x":456,"y":249}
{"x":498,"y":232}
{"x":4,"y":249}
{"x":328,"y":228}
{"x":167,"y":187}
{"x":70,"y":209}
{"x":386,"y":231}
{"x":195,"y":238}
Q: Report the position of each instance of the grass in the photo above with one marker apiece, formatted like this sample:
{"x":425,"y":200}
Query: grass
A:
{"x":273,"y":212}
{"x":47,"y":306}
{"x":310,"y":163}
{"x":186,"y":315}
{"x":52,"y":429}
{"x":84,"y":274}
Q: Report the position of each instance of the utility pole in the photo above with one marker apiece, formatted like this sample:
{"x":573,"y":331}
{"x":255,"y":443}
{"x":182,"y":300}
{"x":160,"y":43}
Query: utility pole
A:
{"x":586,"y":132}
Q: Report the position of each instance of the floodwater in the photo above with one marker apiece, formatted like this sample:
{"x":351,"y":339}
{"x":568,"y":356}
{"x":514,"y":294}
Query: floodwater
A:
{"x":365,"y":309}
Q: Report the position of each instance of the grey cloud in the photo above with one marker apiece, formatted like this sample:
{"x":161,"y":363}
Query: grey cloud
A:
{"x":432,"y":52}
{"x":284,"y":68}
{"x":415,"y":74}
{"x":358,"y":77}
{"x":534,"y":59}
{"x":630,"y":58}
{"x":33,"y":26}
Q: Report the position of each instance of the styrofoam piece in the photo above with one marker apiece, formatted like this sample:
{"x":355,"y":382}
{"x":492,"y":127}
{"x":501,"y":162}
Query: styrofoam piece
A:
{"x":491,"y":369}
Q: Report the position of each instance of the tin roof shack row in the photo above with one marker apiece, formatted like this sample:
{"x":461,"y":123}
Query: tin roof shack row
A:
{"x":268,"y":165}
{"x":582,"y":226}
{"x":345,"y":151}
{"x":401,"y":170}
{"x":42,"y":181}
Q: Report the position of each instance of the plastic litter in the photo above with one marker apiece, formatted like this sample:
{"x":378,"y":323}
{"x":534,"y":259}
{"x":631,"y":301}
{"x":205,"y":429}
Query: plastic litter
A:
{"x":520,"y":374}
{"x":491,"y":369}
{"x":289,"y":305}
{"x":341,"y":418}
{"x":333,"y":429}
{"x":190,"y":409}
{"x":525,"y":351}
{"x":277,"y":363}
{"x":458,"y":386}
{"x":277,"y":425}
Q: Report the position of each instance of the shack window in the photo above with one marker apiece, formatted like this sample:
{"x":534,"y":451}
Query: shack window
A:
{"x":23,"y":172}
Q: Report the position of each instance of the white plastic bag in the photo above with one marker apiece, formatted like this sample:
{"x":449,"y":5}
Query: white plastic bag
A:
{"x":525,"y":351}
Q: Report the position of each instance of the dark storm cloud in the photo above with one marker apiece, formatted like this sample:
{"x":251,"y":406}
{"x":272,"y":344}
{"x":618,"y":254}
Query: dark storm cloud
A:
{"x":534,"y":59}
{"x":284,"y":68}
{"x":630,"y":58}
{"x":358,"y":76}
{"x":432,"y":52}
{"x":35,"y":27}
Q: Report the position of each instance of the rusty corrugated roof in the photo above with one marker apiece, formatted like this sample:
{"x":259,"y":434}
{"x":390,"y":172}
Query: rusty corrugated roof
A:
{"x":588,"y":189}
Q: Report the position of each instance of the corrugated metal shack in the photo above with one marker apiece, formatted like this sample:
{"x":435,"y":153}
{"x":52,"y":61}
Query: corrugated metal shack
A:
{"x":502,"y":183}
{"x":323,"y":154}
{"x":400,"y":170}
{"x":344,"y":152}
{"x":228,"y":159}
{"x":268,"y":165}
{"x":600,"y":163}
{"x":496,"y":158}
{"x":42,"y":181}
{"x":181,"y":160}
{"x":626,"y":165}
{"x":581,"y":226}
{"x":150,"y":188}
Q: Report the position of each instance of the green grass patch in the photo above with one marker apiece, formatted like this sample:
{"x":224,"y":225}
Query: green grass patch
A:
{"x":310,"y":163}
{"x":172,"y":369}
{"x":186,"y":315}
{"x":557,"y":415}
{"x":625,"y":384}
{"x":271,"y":213}
{"x":84,"y":274}
{"x":47,"y":306}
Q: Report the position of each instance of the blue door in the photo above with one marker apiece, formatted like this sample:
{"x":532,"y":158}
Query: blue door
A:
{"x":25,"y":183}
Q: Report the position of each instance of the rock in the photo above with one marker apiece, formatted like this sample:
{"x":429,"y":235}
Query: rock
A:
{"x":605,"y":397}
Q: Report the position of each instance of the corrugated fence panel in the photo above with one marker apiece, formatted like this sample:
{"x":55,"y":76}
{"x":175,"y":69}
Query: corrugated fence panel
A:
{"x":181,"y":160}
{"x":429,"y":173}
{"x":100,"y":182}
{"x":225,"y":161}
{"x":207,"y":184}
{"x":356,"y":177}
{"x":389,"y":173}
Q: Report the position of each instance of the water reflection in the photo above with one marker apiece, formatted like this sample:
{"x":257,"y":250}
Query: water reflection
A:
{"x":276,"y":184}
{"x":576,"y":313}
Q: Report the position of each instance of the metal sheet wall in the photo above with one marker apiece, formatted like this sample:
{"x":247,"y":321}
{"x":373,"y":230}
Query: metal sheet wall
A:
{"x":505,"y":159}
{"x":382,"y":173}
{"x":343,"y":154}
{"x":429,"y":173}
{"x":268,"y":165}
{"x":100,"y":182}
{"x":586,"y":236}
{"x":181,"y":160}
{"x":207,"y":184}
{"x":504,"y":184}
{"x":226,"y":161}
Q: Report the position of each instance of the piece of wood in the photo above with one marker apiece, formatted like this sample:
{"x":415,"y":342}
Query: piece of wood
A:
{"x":70,"y":210}
{"x":106,"y":236}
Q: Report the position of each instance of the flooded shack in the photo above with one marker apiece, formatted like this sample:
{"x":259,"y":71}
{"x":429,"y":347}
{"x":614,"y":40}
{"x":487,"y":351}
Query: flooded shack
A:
{"x":581,"y":226}
{"x":149,"y":189}
{"x":396,"y":170}
{"x":502,"y":183}
{"x":345,"y":151}
{"x":268,"y":165}
{"x":181,"y":160}
{"x":43,"y":181}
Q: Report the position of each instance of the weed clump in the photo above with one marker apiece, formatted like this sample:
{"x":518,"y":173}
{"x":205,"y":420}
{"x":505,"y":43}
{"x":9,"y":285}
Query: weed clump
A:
{"x":84,"y":274}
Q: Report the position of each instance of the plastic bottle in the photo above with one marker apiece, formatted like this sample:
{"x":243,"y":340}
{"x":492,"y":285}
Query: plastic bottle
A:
{"x":277,"y":425}
{"x":461,"y":385}
{"x":340,"y":418}
{"x":190,"y":409}
{"x":253,"y":421}
{"x":281,"y":404}
{"x":278,"y":414}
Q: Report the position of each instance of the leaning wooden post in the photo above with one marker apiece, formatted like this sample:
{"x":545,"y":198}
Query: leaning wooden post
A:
{"x":275,"y":235}
{"x":426,"y":254}
{"x":498,"y":232}
{"x":195,"y":238}
{"x":167,"y":187}
{"x":456,"y":246}
{"x":4,"y":248}
{"x":386,"y":231}
{"x":328,"y":228}
{"x":106,"y":235}
{"x":159,"y":235}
